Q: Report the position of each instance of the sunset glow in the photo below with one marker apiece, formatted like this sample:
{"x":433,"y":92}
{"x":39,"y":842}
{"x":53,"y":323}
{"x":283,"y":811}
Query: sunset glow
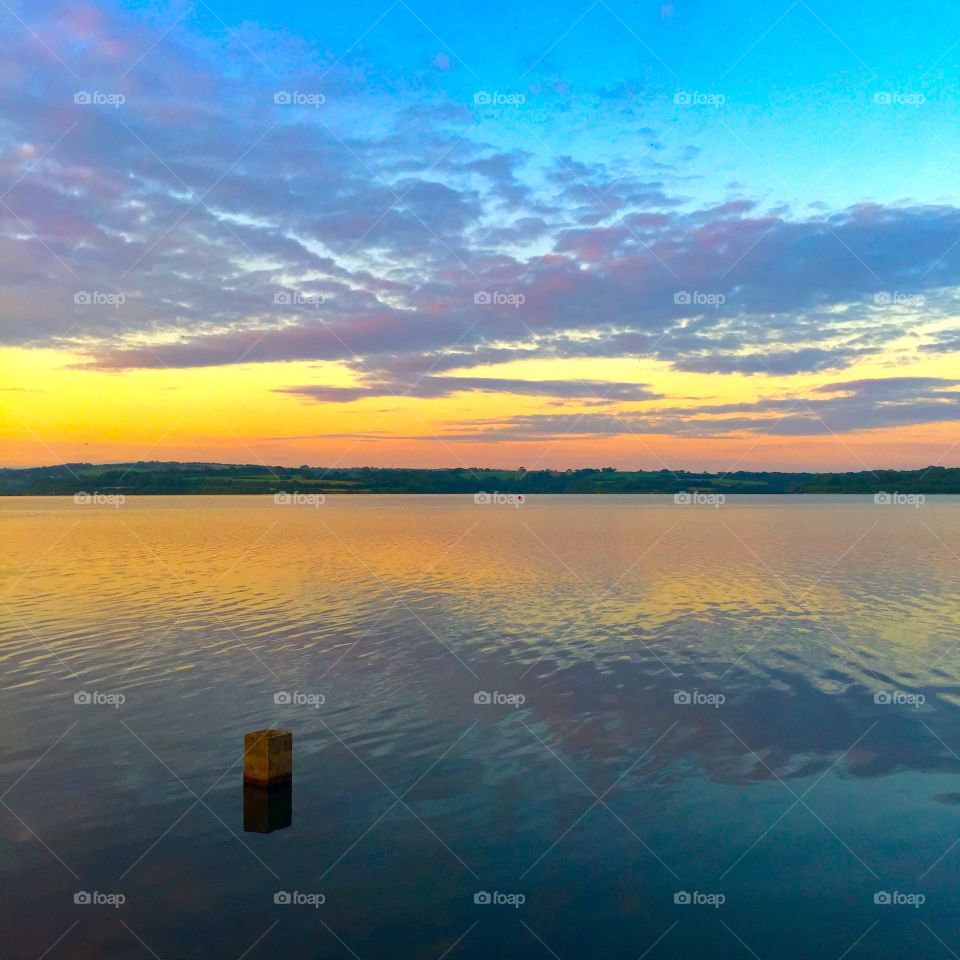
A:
{"x":243,"y":246}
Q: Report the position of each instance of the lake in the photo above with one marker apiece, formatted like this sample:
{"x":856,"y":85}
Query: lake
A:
{"x":574,"y":727}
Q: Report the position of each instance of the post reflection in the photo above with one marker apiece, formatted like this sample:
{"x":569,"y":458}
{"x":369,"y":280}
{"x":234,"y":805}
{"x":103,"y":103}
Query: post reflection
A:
{"x":267,"y":808}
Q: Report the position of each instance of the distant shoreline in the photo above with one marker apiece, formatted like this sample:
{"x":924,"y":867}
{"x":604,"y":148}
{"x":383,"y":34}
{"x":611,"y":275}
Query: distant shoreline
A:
{"x":213,"y":479}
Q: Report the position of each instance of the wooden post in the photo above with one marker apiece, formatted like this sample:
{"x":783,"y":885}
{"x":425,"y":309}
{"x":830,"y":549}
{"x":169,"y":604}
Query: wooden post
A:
{"x":267,"y":756}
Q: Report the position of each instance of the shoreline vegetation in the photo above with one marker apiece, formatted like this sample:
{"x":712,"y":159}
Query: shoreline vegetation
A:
{"x":172,"y":478}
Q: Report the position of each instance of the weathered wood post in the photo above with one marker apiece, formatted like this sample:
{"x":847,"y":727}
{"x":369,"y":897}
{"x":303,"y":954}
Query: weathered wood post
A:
{"x":267,"y":780}
{"x":267,"y":756}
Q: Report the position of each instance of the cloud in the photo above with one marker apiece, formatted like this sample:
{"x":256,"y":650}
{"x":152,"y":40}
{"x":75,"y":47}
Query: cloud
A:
{"x":681,"y":291}
{"x":946,"y":342}
{"x":434,"y":386}
{"x":382,"y":231}
{"x":859,"y":405}
{"x":782,"y":362}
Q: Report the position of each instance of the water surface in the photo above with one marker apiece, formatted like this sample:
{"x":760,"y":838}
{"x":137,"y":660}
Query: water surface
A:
{"x":686,"y":704}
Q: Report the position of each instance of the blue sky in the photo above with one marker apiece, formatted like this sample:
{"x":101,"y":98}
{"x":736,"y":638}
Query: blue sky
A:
{"x":798,"y":124}
{"x":690,"y":216}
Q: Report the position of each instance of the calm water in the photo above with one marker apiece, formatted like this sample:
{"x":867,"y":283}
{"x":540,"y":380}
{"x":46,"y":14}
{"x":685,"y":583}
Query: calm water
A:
{"x":781,"y":789}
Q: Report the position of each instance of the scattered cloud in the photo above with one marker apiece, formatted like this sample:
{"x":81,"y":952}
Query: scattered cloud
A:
{"x":246,"y":215}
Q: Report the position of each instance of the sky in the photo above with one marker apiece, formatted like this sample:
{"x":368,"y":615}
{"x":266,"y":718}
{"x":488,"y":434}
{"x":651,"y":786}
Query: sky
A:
{"x":639,"y":234}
